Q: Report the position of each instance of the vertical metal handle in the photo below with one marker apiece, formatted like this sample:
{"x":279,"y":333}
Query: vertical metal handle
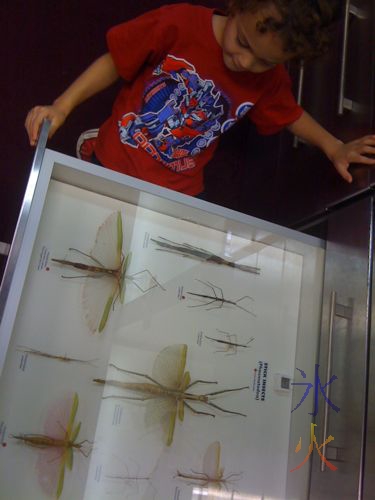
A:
{"x":343,"y":102}
{"x":329,"y":368}
{"x":299,"y":94}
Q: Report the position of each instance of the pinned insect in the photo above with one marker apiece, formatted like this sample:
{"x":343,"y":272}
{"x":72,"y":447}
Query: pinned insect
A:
{"x":129,"y":482}
{"x":168,"y":389}
{"x":187,"y":250}
{"x":64,"y":359}
{"x":107,"y":262}
{"x":211,"y":479}
{"x":218,"y":300}
{"x":57,"y":450}
{"x":230,"y":344}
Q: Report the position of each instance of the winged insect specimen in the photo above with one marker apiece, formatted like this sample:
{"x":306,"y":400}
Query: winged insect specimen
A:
{"x":107,"y":262}
{"x":229,"y":344}
{"x":187,"y":250}
{"x":64,"y":359}
{"x":57,"y":449}
{"x":217,"y":298}
{"x":168,"y":388}
{"x":212,"y":475}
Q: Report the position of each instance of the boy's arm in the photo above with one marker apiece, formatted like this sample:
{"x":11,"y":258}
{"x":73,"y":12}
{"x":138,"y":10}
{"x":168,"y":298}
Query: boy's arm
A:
{"x":100,"y":75}
{"x":340,"y":154}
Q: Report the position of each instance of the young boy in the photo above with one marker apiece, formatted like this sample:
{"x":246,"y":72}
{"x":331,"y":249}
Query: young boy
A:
{"x":190,"y":73}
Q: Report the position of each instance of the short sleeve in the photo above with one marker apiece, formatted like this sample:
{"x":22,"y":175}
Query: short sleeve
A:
{"x":277,"y":107}
{"x":141,"y":41}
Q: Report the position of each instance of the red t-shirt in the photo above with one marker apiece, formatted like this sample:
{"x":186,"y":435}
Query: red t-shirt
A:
{"x":179,"y":97}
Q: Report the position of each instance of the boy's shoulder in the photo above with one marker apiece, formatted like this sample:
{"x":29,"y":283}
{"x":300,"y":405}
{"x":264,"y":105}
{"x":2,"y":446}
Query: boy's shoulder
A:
{"x":185,"y":7}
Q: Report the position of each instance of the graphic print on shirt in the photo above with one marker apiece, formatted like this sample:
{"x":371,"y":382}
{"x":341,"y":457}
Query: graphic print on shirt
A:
{"x":181,"y":115}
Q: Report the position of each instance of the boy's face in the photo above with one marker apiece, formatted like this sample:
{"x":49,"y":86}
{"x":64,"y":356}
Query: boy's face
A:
{"x":246,"y":49}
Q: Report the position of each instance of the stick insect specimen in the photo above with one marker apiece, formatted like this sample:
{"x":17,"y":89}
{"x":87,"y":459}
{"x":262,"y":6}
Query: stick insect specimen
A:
{"x":129,"y":482}
{"x":64,"y":359}
{"x":57,"y":445}
{"x":217,"y":298}
{"x":187,"y":250}
{"x":107,"y":262}
{"x":168,"y":389}
{"x":212,"y":477}
{"x":229,"y":343}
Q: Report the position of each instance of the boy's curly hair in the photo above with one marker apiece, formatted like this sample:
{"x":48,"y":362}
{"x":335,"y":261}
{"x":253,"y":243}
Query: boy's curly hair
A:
{"x":305,"y":25}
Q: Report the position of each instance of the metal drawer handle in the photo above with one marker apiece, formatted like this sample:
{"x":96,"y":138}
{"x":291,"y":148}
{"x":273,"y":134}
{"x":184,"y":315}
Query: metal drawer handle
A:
{"x":329,"y":367}
{"x":343,"y":312}
{"x":343,"y":102}
{"x":301,"y":75}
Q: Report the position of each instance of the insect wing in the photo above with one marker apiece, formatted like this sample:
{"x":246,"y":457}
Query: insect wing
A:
{"x":168,"y":370}
{"x":211,"y":462}
{"x":169,"y":366}
{"x":72,"y":416}
{"x":52,"y":459}
{"x":75,"y":432}
{"x":107,"y":248}
{"x":171,"y":426}
{"x":100,"y":290}
{"x":48,"y":467}
{"x":124,"y":268}
{"x":98,"y":295}
{"x":60,"y":483}
{"x":159,"y":410}
{"x":68,"y":458}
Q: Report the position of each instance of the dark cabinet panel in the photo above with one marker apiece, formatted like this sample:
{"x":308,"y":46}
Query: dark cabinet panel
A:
{"x":343,"y":78}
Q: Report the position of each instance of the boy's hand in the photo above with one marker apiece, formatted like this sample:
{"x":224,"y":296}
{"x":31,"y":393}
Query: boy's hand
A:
{"x":35,"y":119}
{"x":353,"y":152}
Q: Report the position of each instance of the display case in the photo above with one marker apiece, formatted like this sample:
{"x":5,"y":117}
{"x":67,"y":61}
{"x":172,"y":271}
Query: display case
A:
{"x":149,"y":343}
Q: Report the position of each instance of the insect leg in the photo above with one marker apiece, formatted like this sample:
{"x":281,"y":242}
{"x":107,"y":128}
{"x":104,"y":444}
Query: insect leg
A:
{"x":71,"y":249}
{"x":84,"y":452}
{"x":244,"y":308}
{"x":133,"y":398}
{"x":230,"y":477}
{"x":133,"y":279}
{"x":196,"y":412}
{"x":224,"y":410}
{"x":137,"y":373}
{"x":216,"y":393}
{"x":200,"y":382}
{"x":204,"y":303}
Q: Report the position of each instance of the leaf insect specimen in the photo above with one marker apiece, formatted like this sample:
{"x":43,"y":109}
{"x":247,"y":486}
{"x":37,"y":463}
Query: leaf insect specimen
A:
{"x":229,"y":344}
{"x":58,"y":445}
{"x":64,"y":359}
{"x":187,"y":250}
{"x":106,"y":273}
{"x":211,"y":478}
{"x":217,"y":298}
{"x":168,"y":390}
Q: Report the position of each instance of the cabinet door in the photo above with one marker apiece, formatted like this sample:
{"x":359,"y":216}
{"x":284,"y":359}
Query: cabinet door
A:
{"x":369,"y":462}
{"x":343,"y":353}
{"x":337,"y":90}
